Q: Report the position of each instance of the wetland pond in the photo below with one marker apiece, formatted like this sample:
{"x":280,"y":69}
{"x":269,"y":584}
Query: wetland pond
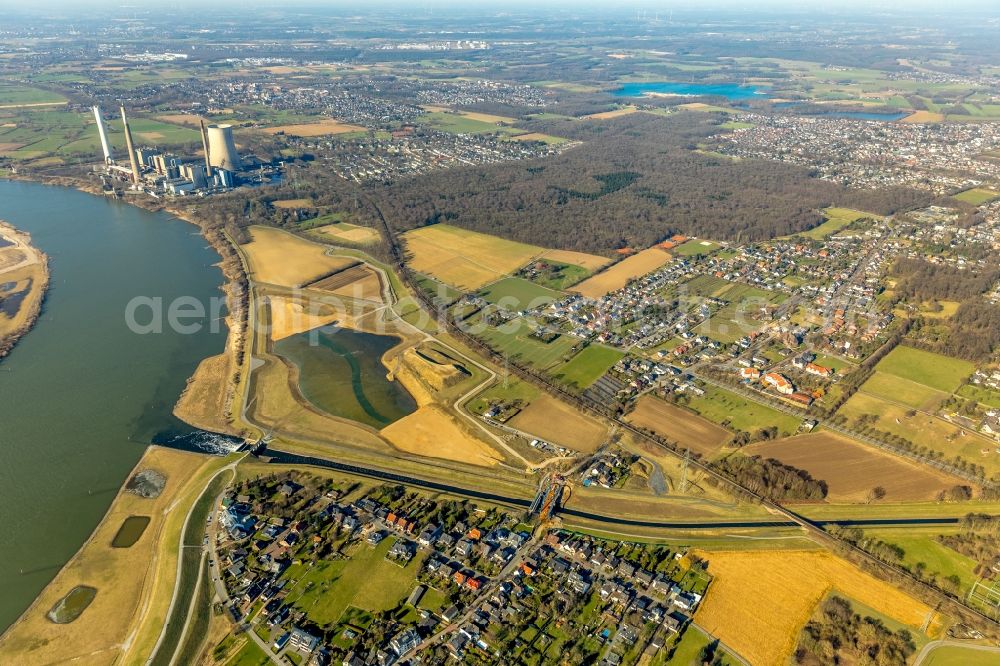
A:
{"x":341,"y":373}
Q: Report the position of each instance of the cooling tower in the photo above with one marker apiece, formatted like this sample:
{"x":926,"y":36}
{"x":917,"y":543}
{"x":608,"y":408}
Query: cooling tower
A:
{"x":222,"y":149}
{"x":105,"y":146}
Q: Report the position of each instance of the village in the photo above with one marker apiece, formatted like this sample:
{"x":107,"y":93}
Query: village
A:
{"x":444,"y":580}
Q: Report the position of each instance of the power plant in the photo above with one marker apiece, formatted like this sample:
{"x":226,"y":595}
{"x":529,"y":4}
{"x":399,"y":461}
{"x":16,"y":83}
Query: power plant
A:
{"x":156,"y":172}
{"x":222,"y":149}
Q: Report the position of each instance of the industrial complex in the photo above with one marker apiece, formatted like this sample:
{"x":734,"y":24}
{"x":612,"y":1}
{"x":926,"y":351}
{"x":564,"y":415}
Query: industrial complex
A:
{"x":154,"y":172}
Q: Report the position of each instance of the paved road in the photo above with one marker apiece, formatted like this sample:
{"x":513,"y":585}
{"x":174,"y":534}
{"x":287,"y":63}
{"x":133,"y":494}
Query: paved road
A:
{"x":928,"y":649}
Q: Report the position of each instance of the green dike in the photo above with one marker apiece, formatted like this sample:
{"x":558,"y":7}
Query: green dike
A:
{"x":190,"y":570}
{"x":199,"y":624}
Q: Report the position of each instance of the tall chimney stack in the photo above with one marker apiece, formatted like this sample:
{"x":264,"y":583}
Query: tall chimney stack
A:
{"x":204,"y":144}
{"x":131,"y":148}
{"x":105,"y":146}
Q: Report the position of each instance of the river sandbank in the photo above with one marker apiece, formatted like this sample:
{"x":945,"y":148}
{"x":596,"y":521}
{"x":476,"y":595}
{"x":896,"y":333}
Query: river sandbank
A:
{"x":24,"y":280}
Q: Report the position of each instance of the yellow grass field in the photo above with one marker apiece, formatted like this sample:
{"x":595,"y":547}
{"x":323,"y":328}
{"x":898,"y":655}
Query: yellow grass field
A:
{"x":350,"y":233}
{"x":487,"y":118}
{"x":554,"y":421}
{"x":431,"y":431}
{"x":278,"y":257}
{"x":592,"y":262}
{"x":465,"y":259}
{"x":760,"y":600}
{"x":290,"y":317}
{"x":923,"y":117}
{"x":322,"y":128}
{"x":679,"y":425}
{"x":618,"y":275}
{"x":852,"y":469}
{"x":293,"y":203}
{"x":606,"y":115}
{"x":125,"y":578}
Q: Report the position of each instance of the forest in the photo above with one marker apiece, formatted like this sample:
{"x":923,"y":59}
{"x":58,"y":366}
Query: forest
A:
{"x":922,"y":280}
{"x":582,"y":200}
{"x":771,"y":478}
{"x":838,"y":635}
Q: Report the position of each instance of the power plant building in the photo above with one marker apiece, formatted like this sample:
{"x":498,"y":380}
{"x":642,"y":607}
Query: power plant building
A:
{"x":222,"y":149}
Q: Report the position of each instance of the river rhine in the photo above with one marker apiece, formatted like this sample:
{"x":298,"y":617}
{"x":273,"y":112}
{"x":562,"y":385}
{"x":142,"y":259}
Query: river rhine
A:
{"x":81,"y":395}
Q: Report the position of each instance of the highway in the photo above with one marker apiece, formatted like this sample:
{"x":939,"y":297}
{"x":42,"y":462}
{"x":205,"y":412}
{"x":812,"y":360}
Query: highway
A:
{"x":285,"y":458}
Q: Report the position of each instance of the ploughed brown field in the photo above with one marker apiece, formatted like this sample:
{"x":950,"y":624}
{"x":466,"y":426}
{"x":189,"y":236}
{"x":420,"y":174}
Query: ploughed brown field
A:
{"x":852,"y":469}
{"x":679,"y":425}
{"x":554,"y":421}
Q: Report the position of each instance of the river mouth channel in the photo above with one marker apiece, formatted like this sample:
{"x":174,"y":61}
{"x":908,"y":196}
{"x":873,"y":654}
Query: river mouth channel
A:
{"x":82,"y":394}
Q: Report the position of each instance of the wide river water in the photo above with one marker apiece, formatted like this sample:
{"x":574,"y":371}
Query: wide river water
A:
{"x":82,"y":395}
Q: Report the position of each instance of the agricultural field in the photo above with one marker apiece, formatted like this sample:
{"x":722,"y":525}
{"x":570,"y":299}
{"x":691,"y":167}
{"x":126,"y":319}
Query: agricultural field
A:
{"x":589,"y":262}
{"x":921,"y":546}
{"x":349,"y":233}
{"x":607,"y":115}
{"x":897,"y":389}
{"x":358,"y":281}
{"x":977,"y":196}
{"x":695,"y":247}
{"x":554,"y":421}
{"x":923,"y":367}
{"x":280,"y":258}
{"x":321,"y":128}
{"x":679,"y":425}
{"x":465,"y":259}
{"x":536,"y":136}
{"x":514,"y":339}
{"x":922,"y":429}
{"x":760,"y":600}
{"x":516,"y":294}
{"x":588,"y":366}
{"x":618,"y":275}
{"x":836,"y":219}
{"x":737,"y":413}
{"x":465,"y":123}
{"x":851,"y":469}
{"x":431,"y":431}
{"x":18,"y":95}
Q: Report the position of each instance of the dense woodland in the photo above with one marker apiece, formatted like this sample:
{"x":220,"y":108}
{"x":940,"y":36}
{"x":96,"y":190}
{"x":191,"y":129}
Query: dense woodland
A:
{"x":972,"y":333}
{"x":923,"y":281}
{"x":838,"y":635}
{"x":771,"y":478}
{"x":635,"y":181}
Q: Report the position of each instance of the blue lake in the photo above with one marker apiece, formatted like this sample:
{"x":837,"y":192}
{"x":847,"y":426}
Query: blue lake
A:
{"x":851,"y":115}
{"x":730,"y":91}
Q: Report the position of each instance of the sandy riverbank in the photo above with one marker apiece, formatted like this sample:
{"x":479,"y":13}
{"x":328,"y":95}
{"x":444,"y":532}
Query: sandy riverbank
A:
{"x":24,"y":280}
